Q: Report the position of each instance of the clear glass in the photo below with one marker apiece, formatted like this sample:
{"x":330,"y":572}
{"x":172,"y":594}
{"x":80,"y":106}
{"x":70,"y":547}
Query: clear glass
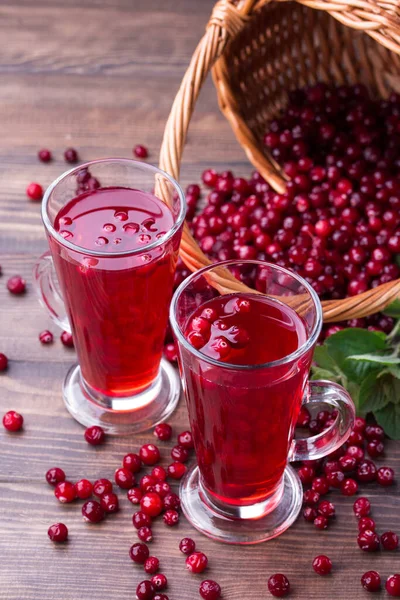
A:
{"x":243,"y":416}
{"x":115,"y":303}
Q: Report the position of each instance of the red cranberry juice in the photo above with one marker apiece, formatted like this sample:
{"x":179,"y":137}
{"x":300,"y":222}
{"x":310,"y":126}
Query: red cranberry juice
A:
{"x":243,"y":420}
{"x":117,"y":305}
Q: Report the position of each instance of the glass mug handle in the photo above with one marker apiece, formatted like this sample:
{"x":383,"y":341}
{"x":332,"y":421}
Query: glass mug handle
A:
{"x":47,"y":289}
{"x":335,"y":396}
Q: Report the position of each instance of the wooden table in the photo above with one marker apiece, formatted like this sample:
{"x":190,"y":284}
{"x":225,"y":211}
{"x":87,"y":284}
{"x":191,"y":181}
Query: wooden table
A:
{"x":101,"y":75}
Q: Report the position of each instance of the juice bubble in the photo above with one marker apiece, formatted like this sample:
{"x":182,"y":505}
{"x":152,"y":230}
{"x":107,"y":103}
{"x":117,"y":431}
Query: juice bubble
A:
{"x":101,"y":241}
{"x":144,"y":238}
{"x":109,"y":227}
{"x":131,"y":228}
{"x":121,"y":215}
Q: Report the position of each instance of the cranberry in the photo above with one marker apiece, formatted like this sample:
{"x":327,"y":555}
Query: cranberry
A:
{"x":163,"y":432}
{"x":147,"y":483}
{"x":187,"y":546}
{"x":13,"y":421}
{"x":65,"y":492}
{"x":159,"y":473}
{"x":71,"y":155}
{"x":149,"y":454}
{"x":134,"y":495}
{"x":304,"y":417}
{"x":335,"y":478}
{"x":124,"y":478}
{"x":321,"y":522}
{"x":385,"y":476}
{"x":159,"y":581}
{"x":210,"y":590}
{"x":34,"y":191}
{"x":68,"y":341}
{"x":306,"y":474}
{"x":171,"y":518}
{"x":172,"y":501}
{"x":132,"y":462}
{"x":355,"y":439}
{"x":375,"y":448}
{"x":162,"y":488}
{"x":151,"y":504}
{"x":310,"y":514}
{"x":392,"y":585}
{"x":390,"y":540}
{"x":176,"y":470}
{"x":110,"y":503}
{"x":356,"y":452}
{"x":16,"y":285}
{"x":3,"y":362}
{"x":139,"y":553}
{"x":92,"y":512}
{"x":368,"y":540}
{"x":83,"y":489}
{"x":311,"y":498}
{"x":196,"y":562}
{"x":366,"y":471}
{"x":371,"y":581}
{"x":349,"y":487}
{"x":374,"y":432}
{"x":151,"y":565}
{"x":55,"y":475}
{"x":185,"y":439}
{"x":322,"y":565}
{"x":58,"y":532}
{"x":95,"y":435}
{"x":320,"y":485}
{"x":46,"y":337}
{"x":347,"y":463}
{"x":366,"y":523}
{"x":326,"y":509}
{"x":145,"y":534}
{"x":179,"y":453}
{"x":278,"y":585}
{"x":362,"y":507}
{"x":141,"y":519}
{"x":102,"y":486}
{"x":44,"y":155}
{"x":145,"y":590}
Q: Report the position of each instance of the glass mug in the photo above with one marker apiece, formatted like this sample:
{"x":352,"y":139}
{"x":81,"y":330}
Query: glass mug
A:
{"x":243,"y":416}
{"x":114,"y":303}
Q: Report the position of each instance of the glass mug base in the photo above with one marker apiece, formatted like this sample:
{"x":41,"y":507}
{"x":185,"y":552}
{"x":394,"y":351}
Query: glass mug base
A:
{"x":242,"y":529}
{"x":123,"y":416}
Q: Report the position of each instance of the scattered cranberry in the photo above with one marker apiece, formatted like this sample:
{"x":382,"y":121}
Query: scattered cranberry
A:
{"x":159,"y":581}
{"x":172,"y":502}
{"x":95,"y":435}
{"x":92,"y":512}
{"x":55,"y":475}
{"x":44,"y":155}
{"x":362,"y":507}
{"x":83,"y":489}
{"x":322,"y":565}
{"x":110,"y":503}
{"x":34,"y":191}
{"x":349,"y":487}
{"x":139,"y":553}
{"x":171,"y":518}
{"x":46,"y":337}
{"x":145,"y":590}
{"x":375,"y":448}
{"x":67,"y":339}
{"x":335,"y":478}
{"x":159,"y":473}
{"x":185,"y":439}
{"x":160,"y":597}
{"x":359,"y":424}
{"x":366,"y":471}
{"x":320,"y":485}
{"x":149,"y":454}
{"x":162,"y":488}
{"x":196,"y":562}
{"x":179,"y":453}
{"x":385,"y":476}
{"x":309,"y":514}
{"x":145,"y":534}
{"x":306,"y":474}
{"x":210,"y":590}
{"x":390,"y":540}
{"x":141,"y":519}
{"x":356,"y":452}
{"x":71,"y":155}
{"x":13,"y":421}
{"x":366,"y":523}
{"x":374,"y":432}
{"x":163,"y":432}
{"x":16,"y":285}
{"x":355,"y":438}
{"x":392,"y":585}
{"x":311,"y":498}
{"x":58,"y":532}
{"x":371,"y":581}
{"x":151,"y":504}
{"x":135,"y":495}
{"x":187,"y":546}
{"x":278,"y":585}
{"x":101,"y":487}
{"x":326,"y":509}
{"x":147,"y":483}
{"x":3,"y":362}
{"x":368,"y":540}
{"x":347,"y":463}
{"x":132,"y":462}
{"x":151,"y":565}
{"x":321,"y":522}
{"x":170,"y":352}
{"x":124,"y":478}
{"x":176,"y":470}
{"x":140,"y":151}
{"x":65,"y":492}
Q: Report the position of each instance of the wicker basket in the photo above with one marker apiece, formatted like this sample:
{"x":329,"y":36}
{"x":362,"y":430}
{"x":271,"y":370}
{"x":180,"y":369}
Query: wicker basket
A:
{"x":259,"y":50}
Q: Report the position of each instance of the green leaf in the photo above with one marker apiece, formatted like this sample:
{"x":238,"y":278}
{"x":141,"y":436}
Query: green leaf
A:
{"x":389,"y":418}
{"x":393,"y":310}
{"x":323,"y":358}
{"x":354,"y":391}
{"x":380,"y":359}
{"x":393,"y":370}
{"x":376,"y":393}
{"x":318,"y":373}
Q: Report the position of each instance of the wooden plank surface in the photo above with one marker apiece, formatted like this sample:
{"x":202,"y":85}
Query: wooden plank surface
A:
{"x":101,"y":75}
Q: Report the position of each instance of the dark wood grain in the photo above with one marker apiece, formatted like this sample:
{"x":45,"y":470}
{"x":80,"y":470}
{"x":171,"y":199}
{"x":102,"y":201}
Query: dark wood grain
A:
{"x":101,"y":75}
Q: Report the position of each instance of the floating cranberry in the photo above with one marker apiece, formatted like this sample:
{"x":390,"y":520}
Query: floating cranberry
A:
{"x":163,"y":432}
{"x":392,"y":585}
{"x":368,"y":541}
{"x":67,"y":340}
{"x":385,"y":476}
{"x":54,"y":476}
{"x":185,"y":439}
{"x":83,"y":489}
{"x":145,"y":590}
{"x":390,"y":540}
{"x":139,"y":553}
{"x":366,"y":523}
{"x":187,"y":546}
{"x":65,"y":492}
{"x":102,"y":486}
{"x":322,"y":565}
{"x":132,"y":462}
{"x":124,"y":478}
{"x":95,"y":435}
{"x":149,"y":454}
{"x":371,"y":581}
{"x":349,"y":487}
{"x":58,"y":532}
{"x":151,"y":565}
{"x":110,"y":503}
{"x":196,"y":562}
{"x":278,"y":585}
{"x":140,"y":151}
{"x":92,"y":512}
{"x":210,"y":590}
{"x":151,"y":504}
{"x":44,"y":155}
{"x":3,"y":362}
{"x":71,"y":155}
{"x":16,"y":285}
{"x":46,"y":337}
{"x":176,"y":470}
{"x":171,"y":518}
{"x":34,"y":191}
{"x":145,"y":534}
{"x":13,"y":421}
